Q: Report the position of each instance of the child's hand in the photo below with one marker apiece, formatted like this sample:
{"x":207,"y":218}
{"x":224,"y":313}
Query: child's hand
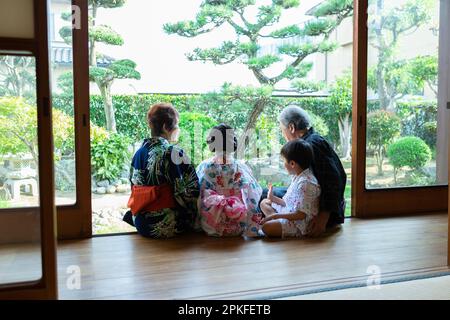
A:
{"x":270,"y":192}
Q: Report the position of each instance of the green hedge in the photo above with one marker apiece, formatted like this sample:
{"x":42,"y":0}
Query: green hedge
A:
{"x":130,"y":110}
{"x":418,"y":117}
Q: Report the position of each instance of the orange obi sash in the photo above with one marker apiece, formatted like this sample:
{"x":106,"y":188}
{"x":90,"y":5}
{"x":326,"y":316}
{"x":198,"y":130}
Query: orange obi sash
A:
{"x":151,"y":198}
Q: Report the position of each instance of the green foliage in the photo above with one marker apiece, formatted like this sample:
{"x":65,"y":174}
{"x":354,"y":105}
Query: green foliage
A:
{"x":226,"y":53}
{"x":392,"y":78}
{"x":419,"y":119}
{"x":17,"y":77}
{"x":109,"y":156}
{"x":341,"y":111}
{"x":65,"y":84}
{"x":287,"y":32}
{"x":120,"y":69}
{"x":410,"y":152}
{"x":424,"y":70}
{"x":194,"y":129}
{"x":404,"y":77}
{"x":319,"y":125}
{"x":318,"y":27}
{"x":382,"y":128}
{"x":17,"y":118}
{"x":107,"y":4}
{"x":263,"y":62}
{"x":131,"y":110}
{"x":341,"y":96}
{"x":305,"y":86}
{"x":305,"y":49}
{"x":334,"y":7}
{"x":407,"y":16}
{"x":105,"y":34}
{"x":4,"y":204}
{"x":18,"y":128}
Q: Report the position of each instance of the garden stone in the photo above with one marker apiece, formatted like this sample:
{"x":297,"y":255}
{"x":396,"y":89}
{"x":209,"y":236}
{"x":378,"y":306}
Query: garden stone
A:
{"x":123,"y":188}
{"x":124,"y":181}
{"x":103,"y":184}
{"x":111,"y":190}
{"x":101,"y":190}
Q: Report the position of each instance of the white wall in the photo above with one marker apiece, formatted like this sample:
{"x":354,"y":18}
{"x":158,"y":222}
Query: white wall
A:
{"x":16,"y":19}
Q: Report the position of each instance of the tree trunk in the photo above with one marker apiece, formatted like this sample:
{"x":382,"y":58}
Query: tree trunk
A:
{"x":93,"y":51}
{"x":105,"y":89}
{"x":92,"y":54}
{"x":381,"y":85}
{"x":380,"y":159}
{"x":250,"y":126}
{"x":345,"y":136}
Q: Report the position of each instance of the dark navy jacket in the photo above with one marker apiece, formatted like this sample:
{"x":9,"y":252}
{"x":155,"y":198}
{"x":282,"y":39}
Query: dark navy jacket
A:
{"x":330,"y":173}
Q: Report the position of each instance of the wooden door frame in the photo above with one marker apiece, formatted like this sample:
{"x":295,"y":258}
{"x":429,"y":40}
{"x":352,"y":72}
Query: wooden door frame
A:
{"x":379,"y":202}
{"x":75,"y":221}
{"x":46,"y":287}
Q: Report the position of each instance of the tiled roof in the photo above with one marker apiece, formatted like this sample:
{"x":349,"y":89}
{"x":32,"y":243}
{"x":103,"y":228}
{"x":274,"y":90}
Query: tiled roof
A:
{"x":64,"y":56}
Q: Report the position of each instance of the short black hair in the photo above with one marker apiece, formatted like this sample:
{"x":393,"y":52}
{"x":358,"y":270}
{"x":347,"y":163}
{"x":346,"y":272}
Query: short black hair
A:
{"x":161,"y":114}
{"x":299,"y":151}
{"x":225,"y":135}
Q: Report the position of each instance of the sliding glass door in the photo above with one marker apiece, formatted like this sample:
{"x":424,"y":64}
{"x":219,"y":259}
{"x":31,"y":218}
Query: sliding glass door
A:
{"x":27,"y":208}
{"x":400,"y":158}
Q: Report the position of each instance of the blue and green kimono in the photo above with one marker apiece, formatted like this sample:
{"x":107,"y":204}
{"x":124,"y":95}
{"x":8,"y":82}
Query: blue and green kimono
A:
{"x":158,"y":162}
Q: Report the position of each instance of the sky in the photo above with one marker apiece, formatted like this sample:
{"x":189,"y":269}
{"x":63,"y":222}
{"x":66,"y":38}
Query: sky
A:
{"x":161,"y":58}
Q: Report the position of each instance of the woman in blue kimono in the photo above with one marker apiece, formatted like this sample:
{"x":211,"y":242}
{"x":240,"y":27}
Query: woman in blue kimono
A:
{"x":164,"y":166}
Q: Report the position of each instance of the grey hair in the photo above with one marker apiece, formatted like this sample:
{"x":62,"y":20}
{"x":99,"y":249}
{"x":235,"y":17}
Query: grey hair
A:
{"x":295,"y":115}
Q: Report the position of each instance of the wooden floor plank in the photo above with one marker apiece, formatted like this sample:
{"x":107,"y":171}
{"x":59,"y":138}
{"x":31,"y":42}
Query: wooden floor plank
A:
{"x":192,"y":266}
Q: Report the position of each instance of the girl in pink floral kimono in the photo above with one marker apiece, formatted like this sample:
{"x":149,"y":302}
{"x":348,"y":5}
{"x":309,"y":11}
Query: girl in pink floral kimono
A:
{"x":229,"y":194}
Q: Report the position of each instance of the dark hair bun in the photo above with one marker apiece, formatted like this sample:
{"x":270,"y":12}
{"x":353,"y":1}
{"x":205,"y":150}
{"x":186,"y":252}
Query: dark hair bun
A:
{"x":222,"y":138}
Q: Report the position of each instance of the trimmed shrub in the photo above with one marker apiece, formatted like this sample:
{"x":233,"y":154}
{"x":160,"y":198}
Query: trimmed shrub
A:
{"x":410,"y":152}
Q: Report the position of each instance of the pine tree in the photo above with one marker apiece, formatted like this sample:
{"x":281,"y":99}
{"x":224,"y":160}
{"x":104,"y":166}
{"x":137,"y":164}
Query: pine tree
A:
{"x":103,"y":76}
{"x":294,"y":42}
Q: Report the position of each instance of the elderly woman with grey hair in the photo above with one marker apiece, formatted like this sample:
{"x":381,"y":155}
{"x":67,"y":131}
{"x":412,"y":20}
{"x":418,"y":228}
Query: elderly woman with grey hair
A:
{"x":327,"y":167}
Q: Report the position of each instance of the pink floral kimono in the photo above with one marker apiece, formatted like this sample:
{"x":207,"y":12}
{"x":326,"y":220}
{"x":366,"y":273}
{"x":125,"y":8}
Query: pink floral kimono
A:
{"x":229,"y":197}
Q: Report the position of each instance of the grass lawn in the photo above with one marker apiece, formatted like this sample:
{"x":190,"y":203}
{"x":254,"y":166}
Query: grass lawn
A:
{"x":4,"y":204}
{"x":348,"y":189}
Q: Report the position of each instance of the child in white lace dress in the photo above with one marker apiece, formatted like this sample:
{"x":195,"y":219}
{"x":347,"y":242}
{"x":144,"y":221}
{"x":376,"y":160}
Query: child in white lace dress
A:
{"x":291,"y":215}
